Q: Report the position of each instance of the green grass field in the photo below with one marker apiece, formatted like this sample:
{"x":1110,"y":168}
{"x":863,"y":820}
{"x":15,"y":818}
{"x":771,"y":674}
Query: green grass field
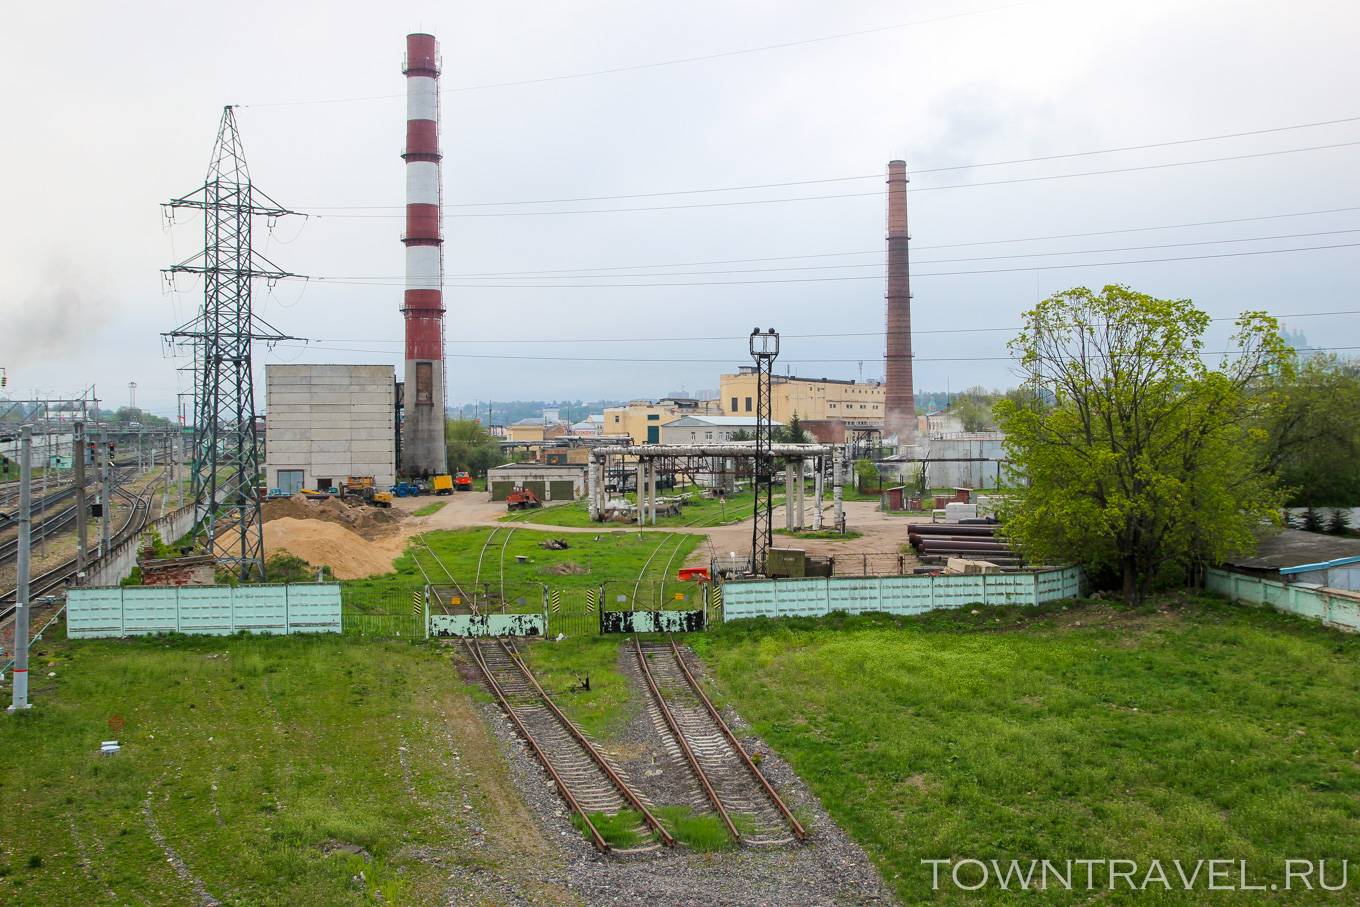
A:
{"x":611,"y":557}
{"x":1185,"y":730}
{"x":431,"y":508}
{"x":299,"y":771}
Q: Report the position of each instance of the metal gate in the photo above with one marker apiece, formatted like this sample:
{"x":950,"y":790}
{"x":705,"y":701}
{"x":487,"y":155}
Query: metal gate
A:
{"x":561,"y":490}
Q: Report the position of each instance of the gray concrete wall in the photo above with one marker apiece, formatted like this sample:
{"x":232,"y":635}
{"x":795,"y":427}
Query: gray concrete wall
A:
{"x":330,"y":421}
{"x":117,"y":566}
{"x":422,"y":436}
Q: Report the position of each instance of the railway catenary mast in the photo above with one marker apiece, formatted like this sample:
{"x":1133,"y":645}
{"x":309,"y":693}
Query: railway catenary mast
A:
{"x":899,"y":404}
{"x":422,"y":442}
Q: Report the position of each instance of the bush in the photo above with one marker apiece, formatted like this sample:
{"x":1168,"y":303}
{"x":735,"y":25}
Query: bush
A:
{"x":1340,"y":521}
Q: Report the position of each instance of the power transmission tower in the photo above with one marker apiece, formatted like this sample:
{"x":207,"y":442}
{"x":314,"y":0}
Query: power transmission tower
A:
{"x":225,"y":463}
{"x":764,"y":350}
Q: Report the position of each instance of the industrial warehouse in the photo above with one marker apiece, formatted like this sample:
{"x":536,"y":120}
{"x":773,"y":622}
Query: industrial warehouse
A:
{"x":620,"y":456}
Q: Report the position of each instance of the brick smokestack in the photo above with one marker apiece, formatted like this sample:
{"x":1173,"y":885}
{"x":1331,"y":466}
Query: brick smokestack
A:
{"x":899,"y":409}
{"x":422,"y":437}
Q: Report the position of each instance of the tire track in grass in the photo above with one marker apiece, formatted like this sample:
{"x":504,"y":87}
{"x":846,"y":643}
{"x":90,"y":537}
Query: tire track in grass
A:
{"x":205,"y":898}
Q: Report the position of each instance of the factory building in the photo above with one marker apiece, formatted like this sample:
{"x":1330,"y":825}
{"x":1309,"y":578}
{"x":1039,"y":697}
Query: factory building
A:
{"x":641,"y":420}
{"x":329,"y":422}
{"x":709,"y":429}
{"x":549,"y":481}
{"x":857,"y":404}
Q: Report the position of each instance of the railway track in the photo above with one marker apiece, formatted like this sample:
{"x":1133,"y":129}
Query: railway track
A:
{"x":45,"y":583}
{"x":733,"y":786}
{"x":586,"y":780}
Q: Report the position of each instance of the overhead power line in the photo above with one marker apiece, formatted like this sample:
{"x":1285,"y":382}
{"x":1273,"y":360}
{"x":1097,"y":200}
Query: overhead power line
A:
{"x":673,"y":62}
{"x":313,"y":212}
{"x":731,"y":360}
{"x":386,"y":280}
{"x":866,"y":176}
{"x":821,"y":335}
{"x":710,"y":283}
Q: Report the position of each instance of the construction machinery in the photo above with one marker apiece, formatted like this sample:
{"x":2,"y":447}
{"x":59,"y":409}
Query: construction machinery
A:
{"x":442,"y":484}
{"x":381,"y":499}
{"x":522,"y":499}
{"x":462,"y":481}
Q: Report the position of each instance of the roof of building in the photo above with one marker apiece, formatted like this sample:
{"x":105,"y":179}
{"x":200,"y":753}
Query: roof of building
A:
{"x":1295,"y":548}
{"x":537,"y":467}
{"x":714,"y":422}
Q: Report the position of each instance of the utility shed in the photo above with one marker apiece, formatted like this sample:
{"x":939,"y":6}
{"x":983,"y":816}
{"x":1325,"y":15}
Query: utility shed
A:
{"x":1296,"y":556}
{"x":550,"y":481}
{"x":329,"y":422}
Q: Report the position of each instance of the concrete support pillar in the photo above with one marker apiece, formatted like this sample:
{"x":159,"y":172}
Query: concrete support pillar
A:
{"x":820,"y":465}
{"x":651,"y":492}
{"x":789,"y":502}
{"x":592,"y":489}
{"x":641,"y":492}
{"x":837,"y":467}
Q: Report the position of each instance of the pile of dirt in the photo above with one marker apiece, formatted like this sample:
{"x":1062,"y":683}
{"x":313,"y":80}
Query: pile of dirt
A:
{"x":568,"y":568}
{"x":318,"y":542}
{"x":369,"y":522}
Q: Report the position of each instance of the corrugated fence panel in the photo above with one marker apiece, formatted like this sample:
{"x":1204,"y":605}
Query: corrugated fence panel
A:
{"x":907,"y":594}
{"x":205,"y":609}
{"x":314,"y":608}
{"x":894,"y":594}
{"x":959,"y":591}
{"x":100,"y":614}
{"x":853,"y":595}
{"x":748,"y":600}
{"x":802,"y":597}
{"x":1334,"y":609}
{"x":149,"y":610}
{"x":260,"y":609}
{"x":212,"y":610}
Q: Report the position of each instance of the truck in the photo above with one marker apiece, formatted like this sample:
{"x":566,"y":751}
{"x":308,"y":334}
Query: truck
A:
{"x":442,"y":484}
{"x":462,"y":481}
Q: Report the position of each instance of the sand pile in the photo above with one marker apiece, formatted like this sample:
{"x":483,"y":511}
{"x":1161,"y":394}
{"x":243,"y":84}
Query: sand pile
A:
{"x":348,"y":554}
{"x":369,"y":522}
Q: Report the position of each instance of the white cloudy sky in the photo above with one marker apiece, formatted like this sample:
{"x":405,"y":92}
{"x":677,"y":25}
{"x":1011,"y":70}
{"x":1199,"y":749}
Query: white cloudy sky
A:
{"x":112,"y":108}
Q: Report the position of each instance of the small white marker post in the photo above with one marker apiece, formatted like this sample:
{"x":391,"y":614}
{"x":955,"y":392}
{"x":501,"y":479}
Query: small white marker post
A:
{"x":20,"y":700}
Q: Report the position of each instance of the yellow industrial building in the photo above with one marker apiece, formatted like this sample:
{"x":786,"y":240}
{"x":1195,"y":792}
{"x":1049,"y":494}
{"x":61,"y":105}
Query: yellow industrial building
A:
{"x":812,"y":399}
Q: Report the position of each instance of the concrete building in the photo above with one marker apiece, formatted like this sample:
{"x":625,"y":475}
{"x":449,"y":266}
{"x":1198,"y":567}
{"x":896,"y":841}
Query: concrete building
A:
{"x":708,"y":429}
{"x":329,"y":422}
{"x":550,"y":481}
{"x":641,"y":420}
{"x":534,"y":430}
{"x":858,"y":405}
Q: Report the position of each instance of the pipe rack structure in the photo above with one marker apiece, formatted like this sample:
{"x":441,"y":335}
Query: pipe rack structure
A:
{"x":650,"y":460}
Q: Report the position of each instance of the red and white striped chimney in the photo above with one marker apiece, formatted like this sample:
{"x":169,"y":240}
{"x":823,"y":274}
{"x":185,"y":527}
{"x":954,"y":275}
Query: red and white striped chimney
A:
{"x":423,"y":450}
{"x":899,"y":396}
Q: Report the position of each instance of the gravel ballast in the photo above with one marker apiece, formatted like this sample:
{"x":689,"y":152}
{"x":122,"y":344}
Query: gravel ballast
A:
{"x":828,"y":869}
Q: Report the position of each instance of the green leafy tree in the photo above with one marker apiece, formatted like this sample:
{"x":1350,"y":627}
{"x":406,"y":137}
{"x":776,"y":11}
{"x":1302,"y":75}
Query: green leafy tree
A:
{"x":1149,"y":462}
{"x":471,"y":447}
{"x":865,"y":474}
{"x":742,"y":434}
{"x":1314,"y":433}
{"x":975,"y":414}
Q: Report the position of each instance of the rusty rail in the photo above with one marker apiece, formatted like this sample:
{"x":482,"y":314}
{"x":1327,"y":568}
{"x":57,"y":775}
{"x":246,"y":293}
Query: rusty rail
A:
{"x":595,"y":755}
{"x":797,"y":826}
{"x":595,"y":837}
{"x":684,"y":744}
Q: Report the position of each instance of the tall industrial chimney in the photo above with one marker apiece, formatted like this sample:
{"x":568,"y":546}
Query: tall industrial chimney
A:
{"x":899,"y":405}
{"x":422,"y":447}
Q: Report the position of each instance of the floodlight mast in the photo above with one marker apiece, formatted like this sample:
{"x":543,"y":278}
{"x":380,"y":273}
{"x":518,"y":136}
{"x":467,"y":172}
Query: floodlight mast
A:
{"x":764,"y":347}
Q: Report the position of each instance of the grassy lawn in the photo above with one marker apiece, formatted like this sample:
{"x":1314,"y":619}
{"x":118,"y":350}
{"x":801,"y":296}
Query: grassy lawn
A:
{"x":431,"y":508}
{"x":699,"y":511}
{"x":609,"y":557}
{"x":1184,"y":730}
{"x":300,"y":771}
{"x":829,"y":534}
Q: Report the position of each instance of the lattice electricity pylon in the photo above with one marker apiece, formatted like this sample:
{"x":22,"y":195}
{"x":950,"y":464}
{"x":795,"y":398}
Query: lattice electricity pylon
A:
{"x":764,"y":350}
{"x":226,"y":458}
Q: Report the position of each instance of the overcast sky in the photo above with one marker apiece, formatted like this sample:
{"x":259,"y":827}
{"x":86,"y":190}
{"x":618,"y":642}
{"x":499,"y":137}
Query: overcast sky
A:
{"x":112,"y":109}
